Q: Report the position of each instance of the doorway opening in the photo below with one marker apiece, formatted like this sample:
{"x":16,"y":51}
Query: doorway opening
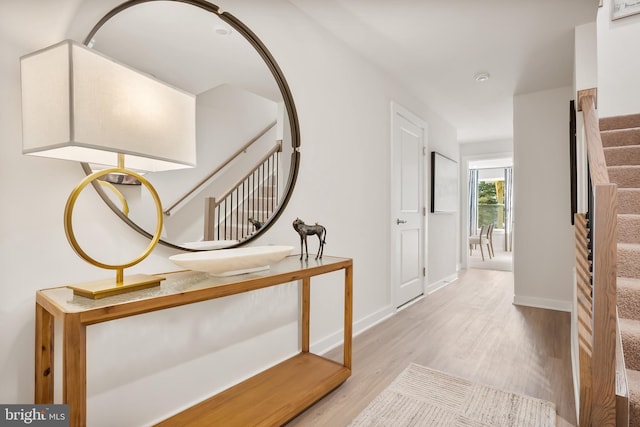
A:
{"x":490,"y":219}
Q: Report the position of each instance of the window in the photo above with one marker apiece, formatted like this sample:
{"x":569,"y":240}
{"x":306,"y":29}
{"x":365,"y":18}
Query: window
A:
{"x":491,"y":203}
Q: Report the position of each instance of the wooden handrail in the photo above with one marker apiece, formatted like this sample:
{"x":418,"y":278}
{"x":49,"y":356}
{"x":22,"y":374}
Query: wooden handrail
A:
{"x":276,"y":149}
{"x":595,"y":152}
{"x":597,"y":346}
{"x":231,"y":158}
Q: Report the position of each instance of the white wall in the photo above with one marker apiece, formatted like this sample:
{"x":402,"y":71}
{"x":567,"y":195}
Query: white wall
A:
{"x":494,"y":149}
{"x":618,"y":64}
{"x":443,"y":231}
{"x":543,"y":234}
{"x":585,"y":56}
{"x":585,"y":77}
{"x":171,"y":359}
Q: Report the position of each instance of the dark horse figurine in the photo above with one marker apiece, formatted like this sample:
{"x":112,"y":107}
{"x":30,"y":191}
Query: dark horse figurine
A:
{"x":305,"y":230}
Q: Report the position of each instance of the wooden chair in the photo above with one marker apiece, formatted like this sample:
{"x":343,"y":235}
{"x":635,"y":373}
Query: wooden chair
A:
{"x":480,"y":239}
{"x":490,"y":241}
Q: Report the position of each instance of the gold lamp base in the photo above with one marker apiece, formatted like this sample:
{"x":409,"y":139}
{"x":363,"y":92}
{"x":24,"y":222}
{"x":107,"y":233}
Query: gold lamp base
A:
{"x":110,"y":287}
{"x":121,"y":284}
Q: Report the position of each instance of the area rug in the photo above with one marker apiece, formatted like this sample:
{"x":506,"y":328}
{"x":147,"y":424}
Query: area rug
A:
{"x":421,"y":396}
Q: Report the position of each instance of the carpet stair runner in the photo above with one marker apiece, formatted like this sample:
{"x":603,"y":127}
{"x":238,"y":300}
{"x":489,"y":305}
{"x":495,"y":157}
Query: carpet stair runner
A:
{"x":621,"y":141}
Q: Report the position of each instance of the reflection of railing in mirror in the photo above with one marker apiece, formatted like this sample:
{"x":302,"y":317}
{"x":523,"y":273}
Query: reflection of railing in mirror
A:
{"x":174,"y":206}
{"x":243,"y":209}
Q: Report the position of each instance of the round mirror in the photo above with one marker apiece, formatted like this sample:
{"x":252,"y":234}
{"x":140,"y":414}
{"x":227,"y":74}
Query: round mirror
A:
{"x":246,"y":124}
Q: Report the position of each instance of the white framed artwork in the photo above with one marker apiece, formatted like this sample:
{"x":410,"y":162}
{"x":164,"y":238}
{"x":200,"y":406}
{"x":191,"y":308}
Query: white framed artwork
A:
{"x":624,"y":8}
{"x":444,"y":184}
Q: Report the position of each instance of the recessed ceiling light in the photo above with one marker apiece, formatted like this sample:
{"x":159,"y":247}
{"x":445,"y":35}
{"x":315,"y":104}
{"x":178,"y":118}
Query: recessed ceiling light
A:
{"x":482,"y":76}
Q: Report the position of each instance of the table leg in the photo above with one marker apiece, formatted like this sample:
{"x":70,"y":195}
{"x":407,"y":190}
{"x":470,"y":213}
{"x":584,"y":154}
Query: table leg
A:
{"x":348,"y":315}
{"x":43,"y":392}
{"x":306,"y":317}
{"x":74,"y":356}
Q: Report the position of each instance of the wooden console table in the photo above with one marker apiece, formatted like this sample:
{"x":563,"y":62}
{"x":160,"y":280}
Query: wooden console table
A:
{"x":272,"y":397}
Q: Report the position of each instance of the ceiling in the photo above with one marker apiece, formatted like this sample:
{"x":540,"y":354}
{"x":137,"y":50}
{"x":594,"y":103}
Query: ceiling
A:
{"x":198,"y":43}
{"x":436,"y":47}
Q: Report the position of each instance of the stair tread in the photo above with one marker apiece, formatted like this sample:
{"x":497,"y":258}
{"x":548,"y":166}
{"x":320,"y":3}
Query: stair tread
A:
{"x":633,"y":384}
{"x":631,"y":282}
{"x":628,"y":259}
{"x":631,"y":325}
{"x":633,"y":381}
{"x":629,"y":228}
{"x":621,"y":121}
{"x":628,"y":200}
{"x":623,"y":167}
{"x":630,"y":333}
{"x":614,"y":150}
{"x":626,"y":176}
{"x":628,"y":295}
{"x":620,"y":137}
{"x":625,"y":129}
{"x":622,"y":147}
{"x":629,"y":246}
{"x":622,"y":155}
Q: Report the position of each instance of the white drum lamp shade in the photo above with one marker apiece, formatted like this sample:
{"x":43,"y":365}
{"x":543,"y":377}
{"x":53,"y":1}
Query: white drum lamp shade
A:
{"x":80,"y":105}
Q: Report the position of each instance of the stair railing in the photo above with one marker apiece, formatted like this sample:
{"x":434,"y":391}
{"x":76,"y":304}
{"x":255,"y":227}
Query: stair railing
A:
{"x":248,"y":204}
{"x":596,"y":272}
{"x":198,"y":186}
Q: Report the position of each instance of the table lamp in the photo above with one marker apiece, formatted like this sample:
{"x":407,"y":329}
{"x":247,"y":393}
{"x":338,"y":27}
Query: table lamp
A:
{"x":78,"y":104}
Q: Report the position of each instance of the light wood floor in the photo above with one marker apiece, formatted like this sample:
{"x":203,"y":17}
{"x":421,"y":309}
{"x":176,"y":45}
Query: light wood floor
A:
{"x":470,"y":329}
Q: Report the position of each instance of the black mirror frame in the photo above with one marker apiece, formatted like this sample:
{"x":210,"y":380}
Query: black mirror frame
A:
{"x":286,"y":95}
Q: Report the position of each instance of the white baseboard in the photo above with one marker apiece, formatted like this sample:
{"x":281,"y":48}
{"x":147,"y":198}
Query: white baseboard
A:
{"x":335,"y":339}
{"x":549,"y":304}
{"x":441,"y":283}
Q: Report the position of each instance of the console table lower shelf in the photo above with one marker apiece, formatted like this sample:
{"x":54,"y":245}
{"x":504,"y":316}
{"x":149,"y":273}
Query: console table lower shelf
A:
{"x":270,"y":398}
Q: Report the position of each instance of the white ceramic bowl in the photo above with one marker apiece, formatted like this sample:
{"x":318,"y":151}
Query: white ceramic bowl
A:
{"x":229,"y":262}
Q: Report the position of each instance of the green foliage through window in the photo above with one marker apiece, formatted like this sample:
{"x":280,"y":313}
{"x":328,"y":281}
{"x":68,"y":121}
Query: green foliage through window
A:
{"x":491,"y":203}
{"x":487,"y":193}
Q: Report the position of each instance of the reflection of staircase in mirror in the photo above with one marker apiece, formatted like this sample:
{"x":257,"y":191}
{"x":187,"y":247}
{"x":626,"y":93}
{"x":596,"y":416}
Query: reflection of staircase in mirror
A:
{"x":244,"y":208}
{"x":249,"y":201}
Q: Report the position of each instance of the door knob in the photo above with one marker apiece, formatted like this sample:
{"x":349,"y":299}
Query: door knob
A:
{"x":400,"y":221}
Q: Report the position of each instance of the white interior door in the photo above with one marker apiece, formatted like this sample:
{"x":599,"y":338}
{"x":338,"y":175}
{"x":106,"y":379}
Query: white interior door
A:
{"x":408,"y":207}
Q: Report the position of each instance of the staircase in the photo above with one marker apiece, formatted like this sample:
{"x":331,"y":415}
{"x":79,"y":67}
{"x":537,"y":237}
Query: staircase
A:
{"x":621,"y":141}
{"x":233,"y":222}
